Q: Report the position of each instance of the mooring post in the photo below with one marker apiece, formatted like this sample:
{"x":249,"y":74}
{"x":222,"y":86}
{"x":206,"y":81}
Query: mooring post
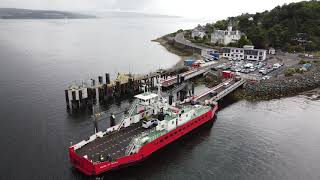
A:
{"x":112,"y":120}
{"x":100,"y":79}
{"x":67,"y":98}
{"x":170,"y":99}
{"x":107,"y":78}
{"x":74,"y":101}
{"x":80,"y":99}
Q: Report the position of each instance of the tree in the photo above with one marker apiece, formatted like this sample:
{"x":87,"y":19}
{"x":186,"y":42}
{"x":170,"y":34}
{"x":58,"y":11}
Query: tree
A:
{"x":244,"y":41}
{"x":222,"y":24}
{"x":180,"y":31}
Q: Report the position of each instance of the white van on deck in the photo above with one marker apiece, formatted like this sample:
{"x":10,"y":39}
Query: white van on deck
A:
{"x":150,"y":123}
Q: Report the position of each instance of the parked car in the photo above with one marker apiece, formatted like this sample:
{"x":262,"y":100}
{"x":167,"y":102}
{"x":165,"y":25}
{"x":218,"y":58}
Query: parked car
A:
{"x":226,"y":84}
{"x":266,"y":77}
{"x":276,"y":66}
{"x":262,"y":70}
{"x":150,"y":123}
{"x":213,"y":93}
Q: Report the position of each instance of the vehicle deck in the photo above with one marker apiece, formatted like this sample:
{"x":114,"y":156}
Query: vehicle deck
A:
{"x":113,"y":144}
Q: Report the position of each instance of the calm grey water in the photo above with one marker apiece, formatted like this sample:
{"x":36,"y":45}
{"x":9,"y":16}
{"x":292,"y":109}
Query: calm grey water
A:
{"x":278,"y":139}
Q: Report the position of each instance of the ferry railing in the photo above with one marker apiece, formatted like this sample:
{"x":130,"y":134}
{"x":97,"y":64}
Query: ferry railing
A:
{"x":229,"y":89}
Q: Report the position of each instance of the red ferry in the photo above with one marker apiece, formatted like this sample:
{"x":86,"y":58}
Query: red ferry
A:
{"x":151,"y":124}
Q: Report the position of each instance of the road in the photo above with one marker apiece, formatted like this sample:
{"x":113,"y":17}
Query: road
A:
{"x":179,"y":38}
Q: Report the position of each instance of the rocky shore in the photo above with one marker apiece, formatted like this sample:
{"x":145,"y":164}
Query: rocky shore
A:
{"x":280,"y":87}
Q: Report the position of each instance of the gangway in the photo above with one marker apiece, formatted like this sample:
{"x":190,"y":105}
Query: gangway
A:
{"x":216,"y":88}
{"x":186,"y":75}
{"x":178,"y":88}
{"x":228,"y":90}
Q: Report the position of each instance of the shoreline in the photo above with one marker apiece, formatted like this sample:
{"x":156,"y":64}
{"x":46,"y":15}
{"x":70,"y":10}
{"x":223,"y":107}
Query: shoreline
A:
{"x":263,"y":90}
{"x":164,"y":41}
{"x":282,"y":87}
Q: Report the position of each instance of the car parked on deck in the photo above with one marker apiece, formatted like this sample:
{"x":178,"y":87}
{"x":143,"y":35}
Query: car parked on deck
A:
{"x":150,"y":123}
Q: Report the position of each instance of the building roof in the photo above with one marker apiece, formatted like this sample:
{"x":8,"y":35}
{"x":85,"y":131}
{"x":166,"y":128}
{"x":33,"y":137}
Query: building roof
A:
{"x":146,"y":96}
{"x":244,"y":48}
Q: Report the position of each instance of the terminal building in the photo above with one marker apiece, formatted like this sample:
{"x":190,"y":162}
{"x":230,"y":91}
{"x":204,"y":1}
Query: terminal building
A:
{"x":246,"y":53}
{"x":226,"y":36}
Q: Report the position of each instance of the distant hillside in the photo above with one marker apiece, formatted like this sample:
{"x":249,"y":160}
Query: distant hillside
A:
{"x":124,"y":14}
{"x":292,"y":27}
{"x":11,"y":13}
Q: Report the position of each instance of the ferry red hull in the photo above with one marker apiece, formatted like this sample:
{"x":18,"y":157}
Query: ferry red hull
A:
{"x":89,"y":168}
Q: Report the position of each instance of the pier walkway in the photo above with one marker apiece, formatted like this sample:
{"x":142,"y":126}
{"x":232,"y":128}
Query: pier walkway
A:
{"x":218,"y":92}
{"x":185,"y":76}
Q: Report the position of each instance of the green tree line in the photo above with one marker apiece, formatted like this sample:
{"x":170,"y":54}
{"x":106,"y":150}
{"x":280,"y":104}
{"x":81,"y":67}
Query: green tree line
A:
{"x":291,"y":27}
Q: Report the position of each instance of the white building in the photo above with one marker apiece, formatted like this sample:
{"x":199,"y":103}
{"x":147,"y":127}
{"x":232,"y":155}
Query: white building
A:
{"x":225,"y":36}
{"x":198,"y":32}
{"x":245,"y":53}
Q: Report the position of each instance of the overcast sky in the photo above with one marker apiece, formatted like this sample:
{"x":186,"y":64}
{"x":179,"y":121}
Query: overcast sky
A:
{"x":216,"y":9}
